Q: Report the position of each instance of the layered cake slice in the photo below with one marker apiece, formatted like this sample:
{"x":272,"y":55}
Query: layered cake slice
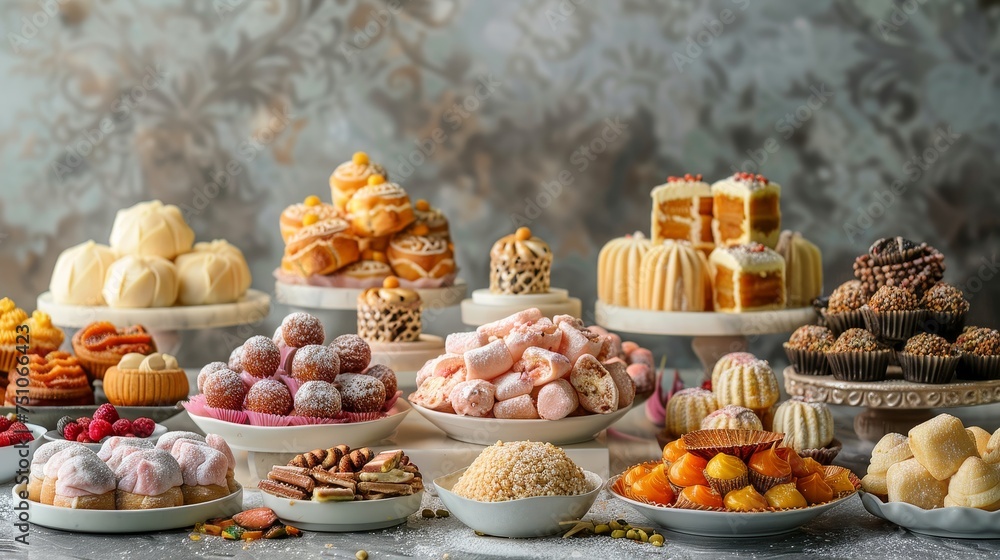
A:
{"x":682,"y":210}
{"x":747,"y":277}
{"x":746,"y":208}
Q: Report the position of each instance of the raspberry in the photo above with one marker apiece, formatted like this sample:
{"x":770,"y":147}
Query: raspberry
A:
{"x":19,"y":433}
{"x":84,"y":422}
{"x":6,"y":439}
{"x":121,"y":427}
{"x":99,"y":429}
{"x":143,"y":427}
{"x":84,"y":438}
{"x":130,"y":434}
{"x":61,"y":426}
{"x":106,"y":412}
{"x":71,"y":431}
{"x":4,"y":423}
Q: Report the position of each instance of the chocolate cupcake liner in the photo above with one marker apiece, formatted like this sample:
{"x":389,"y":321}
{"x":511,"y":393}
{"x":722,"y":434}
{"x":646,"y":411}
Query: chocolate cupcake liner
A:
{"x":892,"y":326}
{"x":947,"y":325}
{"x":823,"y":455}
{"x":840,"y":322}
{"x":927,"y":369}
{"x":762,"y":483}
{"x":859,"y":366}
{"x":724,"y":486}
{"x":971,"y":366}
{"x":807,"y":362}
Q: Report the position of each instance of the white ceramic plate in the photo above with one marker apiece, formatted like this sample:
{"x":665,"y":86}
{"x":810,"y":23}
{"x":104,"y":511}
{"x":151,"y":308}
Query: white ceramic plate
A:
{"x":950,"y":522}
{"x":11,"y":459}
{"x":342,"y":517}
{"x":296,"y":438}
{"x":129,"y":521}
{"x":486,"y":431}
{"x":727,"y":524}
{"x":158,"y":431}
{"x":527,"y":517}
{"x":701,"y":323}
{"x":49,"y":416}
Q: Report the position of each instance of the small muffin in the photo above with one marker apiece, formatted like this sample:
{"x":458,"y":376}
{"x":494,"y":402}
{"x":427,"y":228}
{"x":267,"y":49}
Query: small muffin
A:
{"x":154,"y":380}
{"x":857,"y":356}
{"x":893,"y":314}
{"x":979,"y":348}
{"x":317,"y":399}
{"x":361,"y":393}
{"x":844,"y":310}
{"x":946,"y":310}
{"x":928,"y":358}
{"x":390,"y":313}
{"x":807,"y":347}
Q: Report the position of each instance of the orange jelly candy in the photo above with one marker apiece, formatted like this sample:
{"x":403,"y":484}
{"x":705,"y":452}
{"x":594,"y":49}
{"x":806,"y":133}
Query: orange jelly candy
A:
{"x":745,"y":499}
{"x":809,"y":466}
{"x":674,"y":450}
{"x":654,"y":487}
{"x":635,"y":473}
{"x":785,"y":496}
{"x":792,"y":458}
{"x":703,"y":496}
{"x":840,"y":482}
{"x":769,"y":463}
{"x":814,"y":489}
{"x":688,"y":470}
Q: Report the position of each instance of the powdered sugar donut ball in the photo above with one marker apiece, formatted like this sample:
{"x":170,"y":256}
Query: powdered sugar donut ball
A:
{"x":354,"y":352}
{"x":236,"y":359}
{"x":209,"y":368}
{"x":317,"y":399}
{"x":302,"y":329}
{"x":260,"y":357}
{"x":361,"y":393}
{"x":269,"y":396}
{"x":224,"y":389}
{"x":315,"y":362}
{"x":388,"y":378}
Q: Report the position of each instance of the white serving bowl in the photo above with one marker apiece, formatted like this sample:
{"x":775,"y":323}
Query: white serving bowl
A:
{"x":11,"y":457}
{"x":487,"y":431}
{"x":277,"y":439}
{"x":341,"y":517}
{"x":527,"y":517}
{"x":158,"y":430}
{"x":129,"y":521}
{"x":950,"y":522}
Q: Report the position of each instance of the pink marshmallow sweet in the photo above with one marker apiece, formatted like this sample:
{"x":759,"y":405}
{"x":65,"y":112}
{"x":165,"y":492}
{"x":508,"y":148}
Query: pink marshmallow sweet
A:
{"x":201,"y":465}
{"x":542,"y":334}
{"x":518,"y":407}
{"x":624,"y":383}
{"x":570,"y":320}
{"x":462,"y":342}
{"x":84,"y":475}
{"x":641,"y":356}
{"x":149,"y":472}
{"x":166,"y":441}
{"x":500,"y":328}
{"x":435,"y":392}
{"x":489,"y":361}
{"x":594,"y":385}
{"x":576,"y":343}
{"x":642,"y":376}
{"x":473,"y":398}
{"x":216,"y":442}
{"x":543,"y":366}
{"x":628,"y":347}
{"x":115,"y":442}
{"x":557,"y":400}
{"x":513,"y":384}
{"x":444,"y":365}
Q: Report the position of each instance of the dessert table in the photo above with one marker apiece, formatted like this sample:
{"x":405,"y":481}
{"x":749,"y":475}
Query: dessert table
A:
{"x":848,"y":531}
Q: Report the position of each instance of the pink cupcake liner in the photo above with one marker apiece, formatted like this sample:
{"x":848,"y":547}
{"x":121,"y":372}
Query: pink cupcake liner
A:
{"x":352,"y":417}
{"x":196,"y":405}
{"x":287,"y":355}
{"x":226,"y":415}
{"x":290,"y":382}
{"x":312,"y":421}
{"x":264,"y":419}
{"x":391,"y":402}
{"x":249,"y":380}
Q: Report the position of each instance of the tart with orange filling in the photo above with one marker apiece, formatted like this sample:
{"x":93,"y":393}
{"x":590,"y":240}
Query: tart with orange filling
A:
{"x":745,"y":499}
{"x":785,"y":496}
{"x":726,"y":473}
{"x":101,"y":345}
{"x":673,"y":451}
{"x":635,"y":473}
{"x":814,"y":489}
{"x":654,"y":487}
{"x":699,"y":497}
{"x":767,"y":469}
{"x":687,"y":471}
{"x":53,"y":380}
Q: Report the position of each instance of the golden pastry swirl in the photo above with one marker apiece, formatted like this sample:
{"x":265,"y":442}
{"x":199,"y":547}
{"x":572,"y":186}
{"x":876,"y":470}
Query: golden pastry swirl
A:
{"x":43,"y":332}
{"x":10,"y":317}
{"x":57,"y":370}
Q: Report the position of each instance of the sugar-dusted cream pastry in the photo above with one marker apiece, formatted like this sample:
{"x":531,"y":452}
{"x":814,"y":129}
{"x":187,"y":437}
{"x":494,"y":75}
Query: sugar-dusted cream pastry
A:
{"x":909,"y":481}
{"x":149,"y":479}
{"x":389,"y":313}
{"x":320,"y":248}
{"x":674,"y":276}
{"x":747,"y":278}
{"x":746,"y":208}
{"x":84,"y":482}
{"x":78,"y":276}
{"x":136,"y":281}
{"x":152,"y":380}
{"x":214,"y":272}
{"x":976,"y":484}
{"x":380,"y":208}
{"x":806,"y":425}
{"x":36,"y":475}
{"x":416,"y":254}
{"x":682,"y":210}
{"x":618,"y":269}
{"x":520,"y":263}
{"x":941,"y":445}
{"x":204,"y":473}
{"x":803,"y":268}
{"x":151,"y":229}
{"x":349,"y":177}
{"x":293,"y":217}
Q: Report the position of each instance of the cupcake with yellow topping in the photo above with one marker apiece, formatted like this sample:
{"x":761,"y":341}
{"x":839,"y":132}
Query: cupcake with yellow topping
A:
{"x":745,"y":499}
{"x":389,"y":314}
{"x":726,"y":473}
{"x":520,"y":263}
{"x":350,"y":176}
{"x":11,"y":316}
{"x":311,"y":210}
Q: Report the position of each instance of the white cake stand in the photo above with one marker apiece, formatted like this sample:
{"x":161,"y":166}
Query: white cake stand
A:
{"x":486,"y":307}
{"x":346,"y":299}
{"x":714,"y":334}
{"x":405,"y":358}
{"x":164,"y":323}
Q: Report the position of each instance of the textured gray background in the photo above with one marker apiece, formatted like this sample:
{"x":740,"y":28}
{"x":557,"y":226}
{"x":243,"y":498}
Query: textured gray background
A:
{"x":844,"y":98}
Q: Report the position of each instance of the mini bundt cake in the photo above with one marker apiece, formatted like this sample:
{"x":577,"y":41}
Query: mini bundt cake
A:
{"x":618,"y":269}
{"x":729,"y":360}
{"x":687,"y":408}
{"x":732,"y":417}
{"x":806,"y":425}
{"x":751,"y":385}
{"x":674,"y":276}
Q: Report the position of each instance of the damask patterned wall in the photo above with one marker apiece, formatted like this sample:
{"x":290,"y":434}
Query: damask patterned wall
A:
{"x":877,"y":118}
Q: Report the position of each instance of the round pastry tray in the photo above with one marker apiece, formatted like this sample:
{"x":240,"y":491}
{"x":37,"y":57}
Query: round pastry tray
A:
{"x":893,"y":393}
{"x":346,"y":299}
{"x":343,"y":517}
{"x":704,"y":323}
{"x":948,"y":522}
{"x":406,"y":358}
{"x":251,"y":308}
{"x":485,"y":307}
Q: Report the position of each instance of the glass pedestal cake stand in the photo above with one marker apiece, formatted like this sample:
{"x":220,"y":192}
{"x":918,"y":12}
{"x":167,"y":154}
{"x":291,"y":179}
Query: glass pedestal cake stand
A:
{"x":713,"y":334}
{"x":893,"y":405}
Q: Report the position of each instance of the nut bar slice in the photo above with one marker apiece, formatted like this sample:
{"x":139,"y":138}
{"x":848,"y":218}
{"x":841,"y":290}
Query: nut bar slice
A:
{"x":281,"y":490}
{"x":332,"y":479}
{"x":305,"y":482}
{"x":291,"y":469}
{"x":395,"y":475}
{"x":333,"y":495}
{"x":386,"y":488}
{"x":384,"y":461}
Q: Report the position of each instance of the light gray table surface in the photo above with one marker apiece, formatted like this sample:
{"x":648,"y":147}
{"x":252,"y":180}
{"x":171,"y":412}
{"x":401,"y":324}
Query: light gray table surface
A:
{"x":847,"y":531}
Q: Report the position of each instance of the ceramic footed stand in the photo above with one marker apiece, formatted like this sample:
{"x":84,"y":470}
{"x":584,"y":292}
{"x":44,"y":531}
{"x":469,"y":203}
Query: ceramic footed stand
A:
{"x":486,"y":307}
